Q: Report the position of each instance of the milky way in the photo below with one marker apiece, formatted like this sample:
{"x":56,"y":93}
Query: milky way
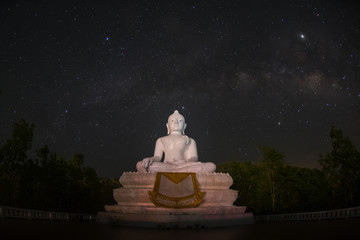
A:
{"x":101,"y":78}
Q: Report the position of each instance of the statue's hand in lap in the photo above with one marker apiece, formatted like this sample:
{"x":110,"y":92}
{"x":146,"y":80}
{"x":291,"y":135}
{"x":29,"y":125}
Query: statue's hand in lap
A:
{"x":178,"y":161}
{"x":192,"y":159}
{"x":147,"y":162}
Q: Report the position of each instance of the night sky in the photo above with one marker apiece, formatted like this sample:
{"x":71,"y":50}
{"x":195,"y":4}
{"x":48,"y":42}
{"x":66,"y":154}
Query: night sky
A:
{"x":101,"y":77}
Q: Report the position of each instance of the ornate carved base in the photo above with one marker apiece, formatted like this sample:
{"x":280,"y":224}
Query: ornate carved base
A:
{"x":136,"y":185}
{"x":140,"y":197}
{"x":134,"y":207}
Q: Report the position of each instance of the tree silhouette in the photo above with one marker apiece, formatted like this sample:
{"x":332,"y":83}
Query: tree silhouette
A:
{"x":13,"y":156}
{"x":342,"y":169}
{"x":49,"y":182}
{"x":273,"y":163}
{"x":270,"y":185}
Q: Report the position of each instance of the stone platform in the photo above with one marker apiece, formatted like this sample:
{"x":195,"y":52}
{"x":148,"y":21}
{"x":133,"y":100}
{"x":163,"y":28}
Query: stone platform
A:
{"x":134,"y":207}
{"x":155,"y":217}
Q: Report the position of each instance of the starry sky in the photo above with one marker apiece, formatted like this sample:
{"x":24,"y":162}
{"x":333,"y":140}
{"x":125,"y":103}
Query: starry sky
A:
{"x":101,"y":77}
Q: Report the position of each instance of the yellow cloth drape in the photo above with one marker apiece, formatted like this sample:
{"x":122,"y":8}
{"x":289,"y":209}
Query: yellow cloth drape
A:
{"x":176,"y":190}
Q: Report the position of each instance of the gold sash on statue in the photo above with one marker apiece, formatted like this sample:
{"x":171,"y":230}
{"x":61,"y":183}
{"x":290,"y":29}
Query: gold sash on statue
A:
{"x":176,"y":190}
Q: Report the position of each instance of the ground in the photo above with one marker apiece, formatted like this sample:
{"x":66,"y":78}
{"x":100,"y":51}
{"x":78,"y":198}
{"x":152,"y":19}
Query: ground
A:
{"x":43,"y":229}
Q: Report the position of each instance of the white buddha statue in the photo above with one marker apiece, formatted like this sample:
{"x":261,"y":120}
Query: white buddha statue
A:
{"x":180,"y":151}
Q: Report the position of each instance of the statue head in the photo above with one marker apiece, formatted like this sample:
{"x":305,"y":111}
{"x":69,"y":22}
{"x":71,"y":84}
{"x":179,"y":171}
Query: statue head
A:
{"x":176,"y":123}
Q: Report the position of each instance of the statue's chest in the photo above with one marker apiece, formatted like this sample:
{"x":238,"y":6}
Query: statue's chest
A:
{"x":175,"y":144}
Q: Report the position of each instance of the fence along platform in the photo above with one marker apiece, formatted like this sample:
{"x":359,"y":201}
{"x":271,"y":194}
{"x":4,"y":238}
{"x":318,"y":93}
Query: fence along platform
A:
{"x":354,"y":212}
{"x":9,"y":212}
{"x":306,"y":216}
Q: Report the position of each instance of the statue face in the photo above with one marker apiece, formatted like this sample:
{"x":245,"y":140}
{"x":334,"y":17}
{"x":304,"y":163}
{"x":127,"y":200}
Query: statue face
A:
{"x":176,"y":123}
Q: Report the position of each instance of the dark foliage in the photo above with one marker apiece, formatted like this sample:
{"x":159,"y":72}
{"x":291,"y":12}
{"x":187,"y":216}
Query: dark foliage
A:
{"x":269,"y":185}
{"x":342,"y":170}
{"x":49,"y":182}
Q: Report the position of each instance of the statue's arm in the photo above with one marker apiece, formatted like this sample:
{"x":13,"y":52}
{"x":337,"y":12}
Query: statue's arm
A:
{"x":192,"y":155}
{"x":158,"y":152}
{"x":146,"y":162}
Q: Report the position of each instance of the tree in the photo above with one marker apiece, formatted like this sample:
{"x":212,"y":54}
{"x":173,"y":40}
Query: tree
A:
{"x":45,"y":155}
{"x":13,"y":156}
{"x":27,"y":194}
{"x":245,"y":181}
{"x":302,"y":189}
{"x":49,"y":182}
{"x":342,"y":169}
{"x":107,"y":187}
{"x":273,"y":163}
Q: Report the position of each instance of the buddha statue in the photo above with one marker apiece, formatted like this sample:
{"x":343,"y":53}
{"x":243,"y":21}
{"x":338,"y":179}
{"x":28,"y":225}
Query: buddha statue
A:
{"x":180,"y":151}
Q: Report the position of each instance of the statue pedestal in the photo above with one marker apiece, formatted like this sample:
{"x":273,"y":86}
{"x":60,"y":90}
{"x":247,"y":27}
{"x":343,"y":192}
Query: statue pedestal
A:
{"x":134,"y":207}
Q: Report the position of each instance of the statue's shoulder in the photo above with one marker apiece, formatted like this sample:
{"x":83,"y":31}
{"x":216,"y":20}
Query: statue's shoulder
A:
{"x":163,"y":139}
{"x":191,"y":140}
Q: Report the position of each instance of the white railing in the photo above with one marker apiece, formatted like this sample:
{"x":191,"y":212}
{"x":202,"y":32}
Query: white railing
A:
{"x":9,"y":212}
{"x":320,"y":215}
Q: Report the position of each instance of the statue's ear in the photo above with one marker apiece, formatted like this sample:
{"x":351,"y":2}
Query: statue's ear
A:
{"x":184,"y":129}
{"x":168,"y":129}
